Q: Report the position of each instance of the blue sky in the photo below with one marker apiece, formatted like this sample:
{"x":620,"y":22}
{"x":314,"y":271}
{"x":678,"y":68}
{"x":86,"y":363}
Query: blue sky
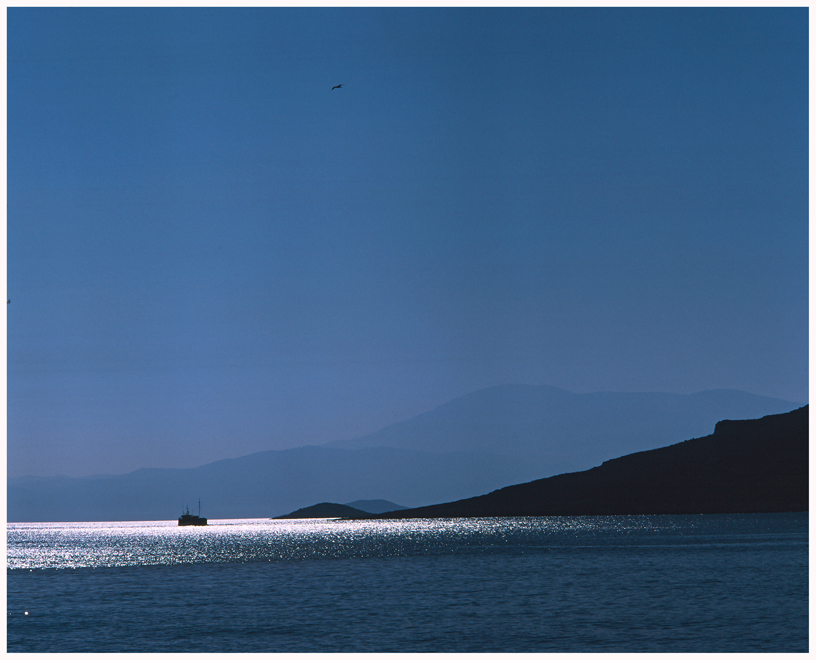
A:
{"x":211,"y":252}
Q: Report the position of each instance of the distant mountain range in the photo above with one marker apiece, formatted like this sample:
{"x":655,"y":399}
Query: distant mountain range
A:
{"x":746,"y":466}
{"x":467,"y":447}
{"x":260,"y":485}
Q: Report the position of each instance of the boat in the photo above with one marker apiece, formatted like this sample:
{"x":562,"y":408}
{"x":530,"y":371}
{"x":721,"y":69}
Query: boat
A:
{"x":189,"y":519}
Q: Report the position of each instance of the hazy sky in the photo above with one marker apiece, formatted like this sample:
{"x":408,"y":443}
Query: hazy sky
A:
{"x":211,"y":252}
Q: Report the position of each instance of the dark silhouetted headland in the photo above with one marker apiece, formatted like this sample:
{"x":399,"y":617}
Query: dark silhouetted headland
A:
{"x":748,"y":466}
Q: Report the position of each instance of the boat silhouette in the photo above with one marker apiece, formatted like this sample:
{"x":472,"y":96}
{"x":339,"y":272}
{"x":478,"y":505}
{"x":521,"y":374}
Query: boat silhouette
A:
{"x":189,"y":519}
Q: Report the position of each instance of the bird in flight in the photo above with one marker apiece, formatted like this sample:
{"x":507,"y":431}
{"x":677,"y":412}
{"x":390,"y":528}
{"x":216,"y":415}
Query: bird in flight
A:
{"x":337,"y":87}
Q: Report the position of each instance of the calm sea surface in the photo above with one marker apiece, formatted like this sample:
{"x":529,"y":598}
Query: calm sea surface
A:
{"x":730,"y":583}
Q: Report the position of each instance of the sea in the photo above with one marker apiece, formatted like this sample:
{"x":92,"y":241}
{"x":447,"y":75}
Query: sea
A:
{"x":701,"y":583}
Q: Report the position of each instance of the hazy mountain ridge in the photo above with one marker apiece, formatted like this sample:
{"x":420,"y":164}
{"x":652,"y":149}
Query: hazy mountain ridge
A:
{"x":471,"y":445}
{"x":562,"y":431}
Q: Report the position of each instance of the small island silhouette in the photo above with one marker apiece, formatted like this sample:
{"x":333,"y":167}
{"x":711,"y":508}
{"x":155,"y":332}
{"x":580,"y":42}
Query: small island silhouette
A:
{"x":352,"y":510}
{"x":324,"y":510}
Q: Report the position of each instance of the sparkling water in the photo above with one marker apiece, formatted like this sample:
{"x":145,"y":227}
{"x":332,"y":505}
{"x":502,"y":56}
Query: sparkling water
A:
{"x":707,"y":583}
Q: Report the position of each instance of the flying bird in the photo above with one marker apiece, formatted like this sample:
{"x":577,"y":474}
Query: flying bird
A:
{"x":337,"y":87}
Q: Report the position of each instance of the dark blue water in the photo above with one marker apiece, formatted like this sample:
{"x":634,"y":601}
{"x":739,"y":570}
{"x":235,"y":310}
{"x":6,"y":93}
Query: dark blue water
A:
{"x":611,"y":584}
